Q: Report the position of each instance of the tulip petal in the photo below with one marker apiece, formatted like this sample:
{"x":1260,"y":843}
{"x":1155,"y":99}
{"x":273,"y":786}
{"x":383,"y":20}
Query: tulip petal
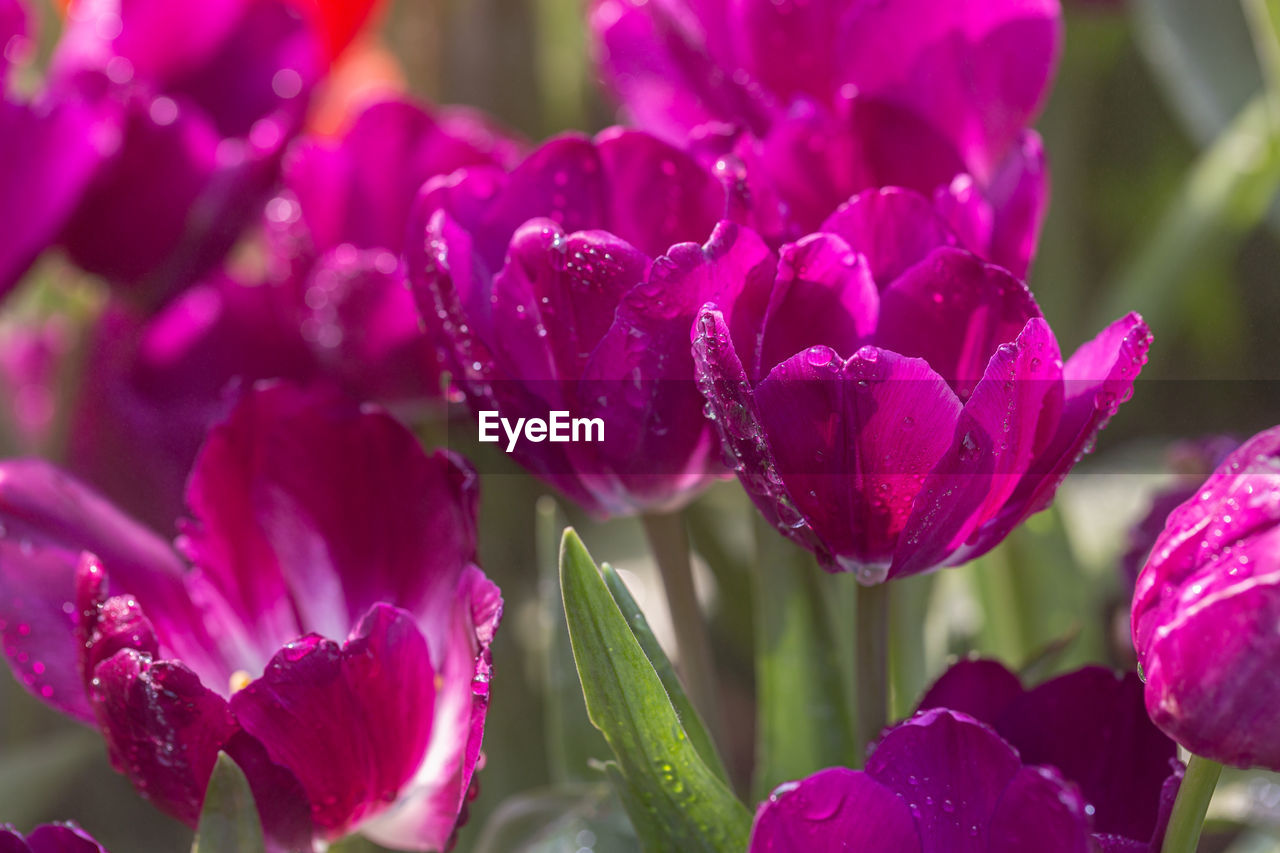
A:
{"x":953,"y":770}
{"x":919,"y":311}
{"x":1004,"y":424}
{"x":834,"y":809}
{"x":727,"y":390}
{"x":816,"y":161}
{"x":433,"y":803}
{"x":641,"y":374}
{"x":1041,"y":811}
{"x":977,"y":69}
{"x":60,"y":838}
{"x":1097,"y":379}
{"x":977,"y":687}
{"x":853,"y":442}
{"x":377,"y":694}
{"x":658,"y":195}
{"x":1090,"y":724}
{"x":893,"y":228}
{"x":279,"y":536}
{"x":360,"y":320}
{"x":51,"y":150}
{"x":656,"y":61}
{"x":360,"y":190}
{"x":1019,"y":195}
{"x":825,"y":295}
{"x":49,"y":520}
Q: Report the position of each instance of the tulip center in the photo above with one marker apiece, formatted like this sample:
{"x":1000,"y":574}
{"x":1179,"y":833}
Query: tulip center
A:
{"x":240,"y":680}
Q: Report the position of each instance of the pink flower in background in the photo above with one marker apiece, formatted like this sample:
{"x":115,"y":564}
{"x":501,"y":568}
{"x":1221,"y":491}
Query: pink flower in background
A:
{"x":331,"y":633}
{"x":823,"y":99}
{"x":903,"y":405}
{"x":1205,"y":611}
{"x":207,"y":96}
{"x":337,"y":231}
{"x":51,"y":147}
{"x":569,"y":284}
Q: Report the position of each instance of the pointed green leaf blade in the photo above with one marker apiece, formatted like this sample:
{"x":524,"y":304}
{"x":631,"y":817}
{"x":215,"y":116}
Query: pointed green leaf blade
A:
{"x":675,"y":801}
{"x":689,"y":717}
{"x":229,"y":821}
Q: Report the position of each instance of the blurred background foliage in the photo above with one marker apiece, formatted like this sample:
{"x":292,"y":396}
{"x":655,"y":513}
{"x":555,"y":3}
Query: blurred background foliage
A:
{"x":1164,"y":141}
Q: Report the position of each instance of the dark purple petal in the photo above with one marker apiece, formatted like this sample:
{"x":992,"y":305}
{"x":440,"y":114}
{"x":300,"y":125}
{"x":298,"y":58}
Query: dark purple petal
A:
{"x":51,"y":838}
{"x":834,"y":809}
{"x":893,"y":228}
{"x":853,"y":440}
{"x":1090,"y":725}
{"x":824,"y":295}
{"x":297,"y":547}
{"x":162,"y":726}
{"x":1040,"y":811}
{"x":1004,"y":424}
{"x":351,"y":722}
{"x":980,"y":688}
{"x":953,"y":773}
{"x":918,"y":315}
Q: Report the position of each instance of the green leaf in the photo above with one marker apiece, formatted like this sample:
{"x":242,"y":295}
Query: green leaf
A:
{"x":1203,"y":55}
{"x":674,"y":800}
{"x":229,"y":821}
{"x":804,"y":720}
{"x":689,"y":717}
{"x":572,"y":744}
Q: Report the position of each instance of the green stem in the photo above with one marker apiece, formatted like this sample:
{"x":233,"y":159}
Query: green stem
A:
{"x":908,"y":668}
{"x":873,"y":663}
{"x":669,"y":543}
{"x":1191,"y":805}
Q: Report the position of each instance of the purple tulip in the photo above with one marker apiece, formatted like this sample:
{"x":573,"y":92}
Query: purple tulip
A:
{"x":33,"y":360}
{"x":940,"y":782}
{"x":207,"y":100}
{"x":570,"y":285}
{"x":1091,"y":727}
{"x":1205,"y":612}
{"x":331,"y":633}
{"x":48,"y":838}
{"x":338,"y":229}
{"x":904,"y":405}
{"x":50,"y":146}
{"x":823,"y":100}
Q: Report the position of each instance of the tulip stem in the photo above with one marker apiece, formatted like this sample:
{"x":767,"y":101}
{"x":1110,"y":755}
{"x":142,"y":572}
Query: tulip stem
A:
{"x":1191,"y":805}
{"x":873,"y":662}
{"x":669,"y":544}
